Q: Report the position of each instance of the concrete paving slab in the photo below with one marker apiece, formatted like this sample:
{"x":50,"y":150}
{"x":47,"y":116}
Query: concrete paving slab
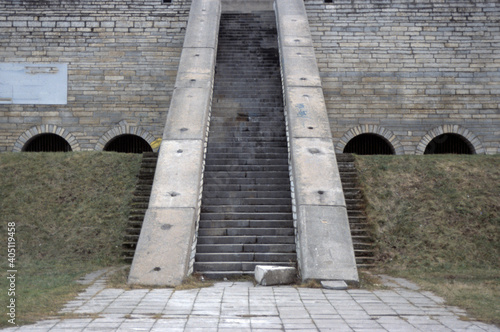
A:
{"x":291,"y":309}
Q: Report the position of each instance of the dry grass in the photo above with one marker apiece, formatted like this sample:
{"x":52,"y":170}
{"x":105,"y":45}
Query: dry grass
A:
{"x":437,"y":220}
{"x":70,"y":211}
{"x":438,"y":223}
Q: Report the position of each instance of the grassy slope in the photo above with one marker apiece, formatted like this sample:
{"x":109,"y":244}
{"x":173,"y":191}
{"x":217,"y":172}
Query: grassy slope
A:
{"x":70,"y":211}
{"x":438,"y":223}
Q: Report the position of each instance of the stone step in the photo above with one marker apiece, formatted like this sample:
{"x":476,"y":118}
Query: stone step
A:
{"x":248,"y":168}
{"x":248,"y":144}
{"x":226,"y":182}
{"x":247,"y":127}
{"x":237,"y":111}
{"x":246,"y":212}
{"x":208,"y":267}
{"x":140,"y":199}
{"x":246,"y":216}
{"x":245,"y":150}
{"x":211,"y":223}
{"x":139,"y":205}
{"x":229,"y":248}
{"x":361,"y":231}
{"x":261,"y":194}
{"x":243,"y":139}
{"x":262,"y":135}
{"x":345,"y":157}
{"x":143,"y":187}
{"x":248,"y":239}
{"x":233,"y":174}
{"x":238,"y":156}
{"x":263,"y":257}
{"x":247,"y":187}
{"x":242,"y":162}
{"x":246,"y":231}
{"x":246,"y":201}
{"x":233,"y":208}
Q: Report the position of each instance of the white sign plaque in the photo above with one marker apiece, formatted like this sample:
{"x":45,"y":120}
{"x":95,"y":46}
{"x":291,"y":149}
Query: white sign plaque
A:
{"x":25,"y":83}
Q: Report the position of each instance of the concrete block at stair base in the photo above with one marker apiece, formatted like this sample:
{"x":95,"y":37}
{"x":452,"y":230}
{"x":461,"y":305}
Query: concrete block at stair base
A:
{"x":300,"y":67}
{"x":178,"y":175}
{"x":326,"y":250}
{"x":188,"y":114}
{"x":334,"y":284}
{"x":203,"y":27}
{"x":274,"y":275}
{"x":164,"y":247}
{"x":315,"y":172}
{"x":306,"y":112}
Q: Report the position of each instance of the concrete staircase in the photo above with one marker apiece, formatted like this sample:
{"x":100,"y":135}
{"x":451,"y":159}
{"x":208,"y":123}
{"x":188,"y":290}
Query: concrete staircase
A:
{"x":139,"y":204}
{"x":362,"y":232}
{"x":246,"y":212}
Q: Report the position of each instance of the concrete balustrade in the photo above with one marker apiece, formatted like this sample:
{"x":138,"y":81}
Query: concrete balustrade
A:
{"x":164,"y":254}
{"x":324,"y":244}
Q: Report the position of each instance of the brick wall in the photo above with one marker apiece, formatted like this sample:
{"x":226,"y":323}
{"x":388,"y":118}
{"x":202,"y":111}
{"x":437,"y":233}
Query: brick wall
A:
{"x":406,"y":70}
{"x":122,"y":61}
{"x":409,"y":70}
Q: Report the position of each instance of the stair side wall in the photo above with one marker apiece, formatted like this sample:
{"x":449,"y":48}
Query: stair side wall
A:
{"x":165,"y":251}
{"x":324,"y":245}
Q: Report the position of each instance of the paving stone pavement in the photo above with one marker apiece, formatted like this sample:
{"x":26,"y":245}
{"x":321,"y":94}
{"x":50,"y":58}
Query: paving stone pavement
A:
{"x":241,"y":306}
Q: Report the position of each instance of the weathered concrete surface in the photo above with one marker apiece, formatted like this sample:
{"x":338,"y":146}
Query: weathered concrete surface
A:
{"x":300,"y":68}
{"x":164,"y":253}
{"x":274,"y":275}
{"x":178,"y":179}
{"x":316,"y":173}
{"x":305,"y":112}
{"x":165,"y":243}
{"x":324,"y":244}
{"x":202,"y":25}
{"x":195,"y":68}
{"x":188,"y":114}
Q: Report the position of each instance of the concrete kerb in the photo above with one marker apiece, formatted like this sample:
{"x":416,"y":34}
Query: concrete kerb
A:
{"x":164,"y":252}
{"x":325,"y":250}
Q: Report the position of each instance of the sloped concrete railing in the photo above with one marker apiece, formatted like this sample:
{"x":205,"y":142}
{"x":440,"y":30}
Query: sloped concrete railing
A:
{"x":164,"y":254}
{"x":324,"y":244}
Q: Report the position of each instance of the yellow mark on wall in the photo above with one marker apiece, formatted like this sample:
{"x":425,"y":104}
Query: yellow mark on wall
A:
{"x":155,"y":145}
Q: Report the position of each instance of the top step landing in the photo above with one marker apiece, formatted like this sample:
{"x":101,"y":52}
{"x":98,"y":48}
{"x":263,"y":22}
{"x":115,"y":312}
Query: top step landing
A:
{"x":246,"y":6}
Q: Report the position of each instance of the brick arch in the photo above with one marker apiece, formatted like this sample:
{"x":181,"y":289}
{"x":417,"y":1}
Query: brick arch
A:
{"x":471,"y":139}
{"x":388,"y":135}
{"x":122,"y":129}
{"x":46,"y":129}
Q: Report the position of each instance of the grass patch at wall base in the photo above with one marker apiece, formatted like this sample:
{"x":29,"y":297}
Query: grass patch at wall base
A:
{"x":70,"y":211}
{"x":437,"y":220}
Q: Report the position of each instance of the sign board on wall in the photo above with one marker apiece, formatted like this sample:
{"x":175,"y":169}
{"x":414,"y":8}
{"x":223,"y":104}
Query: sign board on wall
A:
{"x":24,"y":83}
